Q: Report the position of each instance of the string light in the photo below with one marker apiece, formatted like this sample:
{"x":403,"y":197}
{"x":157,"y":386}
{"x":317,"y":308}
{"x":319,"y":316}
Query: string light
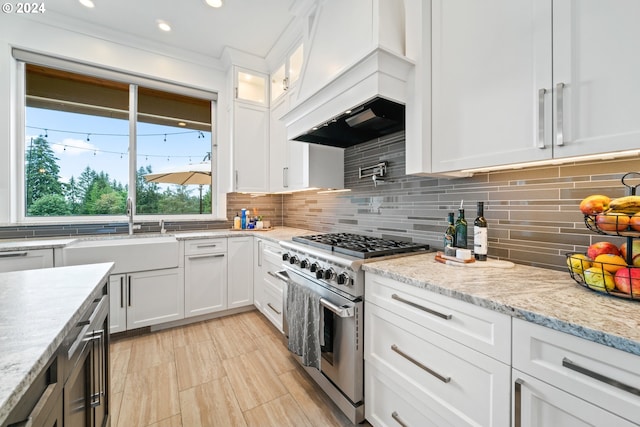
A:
{"x":95,"y":150}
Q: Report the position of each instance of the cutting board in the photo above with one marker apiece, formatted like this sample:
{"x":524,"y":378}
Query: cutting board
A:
{"x":489,"y":263}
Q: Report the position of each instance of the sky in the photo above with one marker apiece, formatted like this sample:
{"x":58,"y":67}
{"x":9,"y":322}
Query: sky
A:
{"x":101,"y":143}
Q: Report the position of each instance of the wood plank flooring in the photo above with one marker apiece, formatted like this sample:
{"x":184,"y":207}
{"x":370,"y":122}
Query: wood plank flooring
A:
{"x":231,"y":371}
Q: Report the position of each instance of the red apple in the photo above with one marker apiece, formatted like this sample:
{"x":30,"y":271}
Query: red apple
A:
{"x":635,"y":248}
{"x":594,"y":204}
{"x":627,"y":280}
{"x":599,"y":248}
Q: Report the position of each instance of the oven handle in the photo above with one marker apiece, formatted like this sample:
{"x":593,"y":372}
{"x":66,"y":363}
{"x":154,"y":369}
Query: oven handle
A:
{"x":344,"y":311}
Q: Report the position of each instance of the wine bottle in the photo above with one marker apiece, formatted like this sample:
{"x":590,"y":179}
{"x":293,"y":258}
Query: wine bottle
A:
{"x":480,"y":240}
{"x":450,"y":233}
{"x":461,"y":230}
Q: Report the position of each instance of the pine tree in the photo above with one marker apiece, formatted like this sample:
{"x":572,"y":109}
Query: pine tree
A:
{"x":42,"y":171}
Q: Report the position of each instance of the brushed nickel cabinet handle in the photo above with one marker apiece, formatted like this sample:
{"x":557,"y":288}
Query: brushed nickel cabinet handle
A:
{"x":273,"y":308}
{"x":420,"y":307}
{"x":559,"y":114}
{"x":397,"y":419}
{"x":260,"y":253}
{"x":205,"y":256}
{"x":420,"y":365}
{"x":599,"y":377}
{"x":211,"y":245}
{"x":121,"y":291}
{"x":541,"y":93}
{"x":129,"y":296}
{"x":517,"y":403}
{"x":236,"y":179}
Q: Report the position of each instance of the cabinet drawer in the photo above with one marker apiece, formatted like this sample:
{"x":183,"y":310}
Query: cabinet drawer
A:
{"x":273,"y":306}
{"x":580,"y":367}
{"x":388,"y":404}
{"x":26,"y":260}
{"x":272,"y":253}
{"x":205,"y":246}
{"x":453,"y":380}
{"x":484,"y":330}
{"x":544,"y":405}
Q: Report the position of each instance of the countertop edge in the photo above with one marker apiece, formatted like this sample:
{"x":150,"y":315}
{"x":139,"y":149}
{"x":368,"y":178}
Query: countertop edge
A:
{"x":575,"y":329}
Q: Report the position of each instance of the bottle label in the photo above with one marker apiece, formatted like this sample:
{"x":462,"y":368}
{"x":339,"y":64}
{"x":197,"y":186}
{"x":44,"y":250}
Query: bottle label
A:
{"x":480,"y":244}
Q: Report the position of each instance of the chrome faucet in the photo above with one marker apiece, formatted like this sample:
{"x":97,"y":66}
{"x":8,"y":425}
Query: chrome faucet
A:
{"x":162,"y":229}
{"x":130,"y":214}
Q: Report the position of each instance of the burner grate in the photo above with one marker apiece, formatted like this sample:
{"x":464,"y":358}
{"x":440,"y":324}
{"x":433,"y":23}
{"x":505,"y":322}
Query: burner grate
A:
{"x":359,"y":246}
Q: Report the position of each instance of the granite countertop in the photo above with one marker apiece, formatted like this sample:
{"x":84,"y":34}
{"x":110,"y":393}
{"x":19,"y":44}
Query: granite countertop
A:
{"x":275,"y":234}
{"x":546,"y":297}
{"x":37,"y":310}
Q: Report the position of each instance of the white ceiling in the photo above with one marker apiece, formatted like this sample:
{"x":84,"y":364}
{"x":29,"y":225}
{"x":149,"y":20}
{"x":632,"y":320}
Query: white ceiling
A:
{"x":250,"y":26}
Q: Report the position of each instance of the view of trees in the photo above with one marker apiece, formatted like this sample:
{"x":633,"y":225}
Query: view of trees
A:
{"x":94,"y":193}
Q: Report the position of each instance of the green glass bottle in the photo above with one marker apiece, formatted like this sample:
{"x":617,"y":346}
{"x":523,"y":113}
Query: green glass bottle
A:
{"x":461,"y":230}
{"x":450,"y":233}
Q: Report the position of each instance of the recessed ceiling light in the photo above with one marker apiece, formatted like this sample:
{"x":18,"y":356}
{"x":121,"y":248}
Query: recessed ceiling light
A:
{"x":163,"y":25}
{"x":182,"y":124}
{"x":214,"y":3}
{"x":87,"y":3}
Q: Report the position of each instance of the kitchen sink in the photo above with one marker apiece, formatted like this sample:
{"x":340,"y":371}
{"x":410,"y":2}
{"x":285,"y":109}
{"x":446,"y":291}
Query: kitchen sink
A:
{"x":129,"y":253}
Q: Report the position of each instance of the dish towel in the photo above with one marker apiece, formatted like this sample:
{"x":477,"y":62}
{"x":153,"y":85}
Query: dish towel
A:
{"x":303,"y":318}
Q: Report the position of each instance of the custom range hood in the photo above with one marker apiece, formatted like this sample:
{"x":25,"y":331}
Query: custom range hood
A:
{"x":353,"y":87}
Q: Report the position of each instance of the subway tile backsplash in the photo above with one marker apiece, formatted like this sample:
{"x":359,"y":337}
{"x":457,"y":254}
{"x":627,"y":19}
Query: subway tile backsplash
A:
{"x":532,"y":213}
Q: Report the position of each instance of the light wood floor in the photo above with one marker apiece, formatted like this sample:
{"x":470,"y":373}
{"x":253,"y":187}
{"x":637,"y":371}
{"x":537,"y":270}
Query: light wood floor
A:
{"x":225,"y":372}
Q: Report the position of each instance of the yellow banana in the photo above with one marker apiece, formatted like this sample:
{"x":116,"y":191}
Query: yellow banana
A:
{"x":627,"y":204}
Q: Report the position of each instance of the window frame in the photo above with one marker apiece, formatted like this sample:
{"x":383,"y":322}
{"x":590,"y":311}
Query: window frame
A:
{"x":19,"y":143}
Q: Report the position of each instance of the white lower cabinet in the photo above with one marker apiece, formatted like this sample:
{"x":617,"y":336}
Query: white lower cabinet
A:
{"x":450,"y":381}
{"x":205,"y":276}
{"x":268,"y":288}
{"x":560,"y":379}
{"x":146,"y":298}
{"x":26,"y":260}
{"x":240,"y":267}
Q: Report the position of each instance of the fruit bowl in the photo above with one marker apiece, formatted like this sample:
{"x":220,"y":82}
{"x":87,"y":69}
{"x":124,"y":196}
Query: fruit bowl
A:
{"x":614,"y":278}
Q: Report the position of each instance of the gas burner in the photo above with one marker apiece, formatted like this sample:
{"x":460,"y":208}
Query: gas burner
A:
{"x":359,"y":246}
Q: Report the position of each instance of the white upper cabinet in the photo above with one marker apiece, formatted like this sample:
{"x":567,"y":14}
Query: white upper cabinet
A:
{"x":525,"y":80}
{"x":595,"y":76}
{"x":286,"y":76}
{"x":250,"y":131}
{"x":250,"y":86}
{"x":298,"y":165}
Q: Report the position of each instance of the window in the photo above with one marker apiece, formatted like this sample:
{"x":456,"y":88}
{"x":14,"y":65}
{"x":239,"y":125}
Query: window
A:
{"x":92,"y":142}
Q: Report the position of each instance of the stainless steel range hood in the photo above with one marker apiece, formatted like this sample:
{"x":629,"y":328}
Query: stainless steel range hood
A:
{"x":364,"y":102}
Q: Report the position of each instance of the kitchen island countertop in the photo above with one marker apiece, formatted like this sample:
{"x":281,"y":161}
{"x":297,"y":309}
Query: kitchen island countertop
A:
{"x":37,"y":310}
{"x":547,"y":297}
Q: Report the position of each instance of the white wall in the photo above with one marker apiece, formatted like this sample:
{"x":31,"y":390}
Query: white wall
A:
{"x":46,"y":39}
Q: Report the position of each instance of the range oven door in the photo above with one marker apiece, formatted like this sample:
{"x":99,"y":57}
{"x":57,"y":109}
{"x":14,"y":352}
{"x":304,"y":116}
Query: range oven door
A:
{"x":341,"y":333}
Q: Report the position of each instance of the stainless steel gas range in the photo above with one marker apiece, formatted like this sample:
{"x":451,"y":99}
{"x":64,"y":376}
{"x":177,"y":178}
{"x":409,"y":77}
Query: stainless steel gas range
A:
{"x":330,"y":265}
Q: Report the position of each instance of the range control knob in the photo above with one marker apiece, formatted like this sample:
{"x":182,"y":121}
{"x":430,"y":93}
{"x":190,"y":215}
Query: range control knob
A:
{"x":285,"y":256}
{"x":328,"y":274}
{"x":314,"y":267}
{"x":319,"y":273}
{"x":293,"y":260}
{"x":304,"y":263}
{"x":343,"y":279}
